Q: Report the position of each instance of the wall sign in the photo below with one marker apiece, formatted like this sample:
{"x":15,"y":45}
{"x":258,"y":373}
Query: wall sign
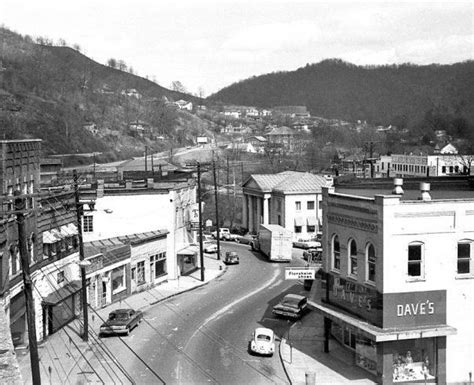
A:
{"x":423,"y":308}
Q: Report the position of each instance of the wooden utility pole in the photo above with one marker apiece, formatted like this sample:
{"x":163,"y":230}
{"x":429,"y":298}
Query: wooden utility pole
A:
{"x":79,"y":210}
{"x":217,"y":210}
{"x":146,"y":160}
{"x":20,"y":207}
{"x":201,"y":251}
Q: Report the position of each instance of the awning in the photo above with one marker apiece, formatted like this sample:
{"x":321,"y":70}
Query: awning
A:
{"x":68,"y":230}
{"x":190,"y":250}
{"x":62,"y":293}
{"x":312,"y":221}
{"x":51,"y":236}
{"x":299,"y":221}
{"x":378,"y":334}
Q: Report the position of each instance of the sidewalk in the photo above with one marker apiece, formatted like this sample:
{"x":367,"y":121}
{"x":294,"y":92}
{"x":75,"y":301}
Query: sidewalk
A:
{"x":305,"y":362}
{"x":64,"y":355}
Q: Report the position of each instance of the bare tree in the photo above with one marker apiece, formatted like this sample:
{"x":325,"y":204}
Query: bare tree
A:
{"x":177,"y":86}
{"x":121,"y":65}
{"x":112,"y":63}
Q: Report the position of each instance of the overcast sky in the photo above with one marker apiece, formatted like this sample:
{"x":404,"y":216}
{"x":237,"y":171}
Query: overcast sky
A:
{"x":213,"y":43}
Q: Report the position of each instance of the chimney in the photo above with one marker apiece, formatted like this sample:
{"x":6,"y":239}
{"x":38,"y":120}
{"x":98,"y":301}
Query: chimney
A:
{"x":425,"y":191}
{"x":397,"y":186}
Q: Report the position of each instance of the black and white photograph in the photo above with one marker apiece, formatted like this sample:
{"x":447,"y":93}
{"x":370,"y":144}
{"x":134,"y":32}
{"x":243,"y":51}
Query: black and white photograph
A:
{"x":236,"y":192}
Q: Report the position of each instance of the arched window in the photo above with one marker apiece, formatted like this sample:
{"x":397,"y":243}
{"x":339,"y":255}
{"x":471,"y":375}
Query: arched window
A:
{"x":352,"y":260}
{"x":371,"y":260}
{"x":336,"y":253}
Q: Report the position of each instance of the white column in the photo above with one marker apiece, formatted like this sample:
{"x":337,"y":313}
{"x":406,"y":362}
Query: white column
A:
{"x":251,"y":214}
{"x":245,"y":210}
{"x":265,"y":211}
{"x":259,"y":211}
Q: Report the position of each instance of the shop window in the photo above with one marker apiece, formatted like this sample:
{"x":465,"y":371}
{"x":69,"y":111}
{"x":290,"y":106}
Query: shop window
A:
{"x":370,"y":260}
{"x":310,"y":205}
{"x":352,"y":262}
{"x":140,"y":272}
{"x":415,"y":260}
{"x":297,"y":229}
{"x":88,"y":223}
{"x":118,"y":280}
{"x":311,"y":229}
{"x":464,"y":257}
{"x":336,"y":253}
{"x":366,"y":354}
{"x":443,"y":169}
{"x":349,"y":339}
{"x":60,"y":277}
{"x":415,"y":361}
{"x":160,"y":268}
{"x":298,"y":206}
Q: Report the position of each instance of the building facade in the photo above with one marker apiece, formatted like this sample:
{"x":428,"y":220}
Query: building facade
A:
{"x":397,"y":286}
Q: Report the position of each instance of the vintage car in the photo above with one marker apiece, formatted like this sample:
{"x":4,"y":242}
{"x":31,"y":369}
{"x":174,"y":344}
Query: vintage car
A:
{"x":292,"y":306}
{"x":231,"y":258}
{"x":313,"y":255}
{"x":245,"y":239}
{"x":121,"y":321}
{"x":307,"y":243}
{"x":209,"y":246}
{"x":262,"y":342}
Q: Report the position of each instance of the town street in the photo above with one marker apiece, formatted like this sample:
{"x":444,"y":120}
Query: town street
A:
{"x":202,"y":336}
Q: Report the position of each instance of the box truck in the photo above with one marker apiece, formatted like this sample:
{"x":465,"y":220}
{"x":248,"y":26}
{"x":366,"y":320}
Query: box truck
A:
{"x":275,"y":242}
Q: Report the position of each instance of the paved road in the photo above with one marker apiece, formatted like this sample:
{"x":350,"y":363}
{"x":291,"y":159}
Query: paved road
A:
{"x":202,"y":336}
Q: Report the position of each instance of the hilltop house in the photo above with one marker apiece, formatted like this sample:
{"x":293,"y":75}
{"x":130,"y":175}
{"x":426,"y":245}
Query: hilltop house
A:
{"x":282,"y":137}
{"x":184,"y":105}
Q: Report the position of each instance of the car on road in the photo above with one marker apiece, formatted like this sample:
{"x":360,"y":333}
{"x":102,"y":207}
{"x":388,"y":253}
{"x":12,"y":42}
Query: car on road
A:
{"x":245,"y":239}
{"x":307,"y":243}
{"x":262,"y":342}
{"x":225,"y":234}
{"x":313,"y":255}
{"x":292,"y":306}
{"x":121,"y":321}
{"x":209,"y":246}
{"x":231,"y":258}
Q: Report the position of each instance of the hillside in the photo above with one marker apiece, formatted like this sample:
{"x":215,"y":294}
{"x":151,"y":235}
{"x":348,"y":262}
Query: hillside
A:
{"x":54,"y":92}
{"x":400,"y":95}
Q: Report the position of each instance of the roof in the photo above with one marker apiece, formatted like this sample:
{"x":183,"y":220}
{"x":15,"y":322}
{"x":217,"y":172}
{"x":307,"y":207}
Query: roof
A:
{"x":266,"y":331}
{"x":283,"y":130}
{"x":267,"y":181}
{"x":138,"y":164}
{"x":260,"y":138}
{"x":302,"y":182}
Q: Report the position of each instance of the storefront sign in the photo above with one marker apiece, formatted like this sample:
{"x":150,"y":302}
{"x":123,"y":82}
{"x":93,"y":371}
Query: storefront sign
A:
{"x":361,"y":300}
{"x":422,"y":308}
{"x":302,"y":273}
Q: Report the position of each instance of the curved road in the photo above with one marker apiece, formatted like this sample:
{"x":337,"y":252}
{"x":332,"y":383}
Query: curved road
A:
{"x":202,"y":336}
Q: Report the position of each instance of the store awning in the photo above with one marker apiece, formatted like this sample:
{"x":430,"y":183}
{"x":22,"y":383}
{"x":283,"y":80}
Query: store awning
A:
{"x":62,"y":293}
{"x":190,"y":250}
{"x":51,"y":236}
{"x":68,"y":230}
{"x":378,"y":334}
{"x":299,"y":221}
{"x":312,"y":221}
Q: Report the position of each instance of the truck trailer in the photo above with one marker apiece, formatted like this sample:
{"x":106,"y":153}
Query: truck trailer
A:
{"x":275,"y":242}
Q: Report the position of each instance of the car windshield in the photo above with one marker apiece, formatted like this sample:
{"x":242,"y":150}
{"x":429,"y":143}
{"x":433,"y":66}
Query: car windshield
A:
{"x":289,"y":302}
{"x":118,"y":316}
{"x":263,"y":337}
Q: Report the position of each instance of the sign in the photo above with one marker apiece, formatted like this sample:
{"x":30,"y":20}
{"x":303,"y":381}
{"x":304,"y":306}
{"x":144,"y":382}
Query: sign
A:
{"x":208,"y":223}
{"x":302,"y":273}
{"x":194,"y":215}
{"x":422,"y":308}
{"x":361,"y":300}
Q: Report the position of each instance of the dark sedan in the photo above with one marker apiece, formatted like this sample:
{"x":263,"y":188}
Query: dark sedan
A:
{"x":121,"y":321}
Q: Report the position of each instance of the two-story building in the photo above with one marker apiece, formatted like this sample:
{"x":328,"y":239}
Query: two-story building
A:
{"x":397,"y":288}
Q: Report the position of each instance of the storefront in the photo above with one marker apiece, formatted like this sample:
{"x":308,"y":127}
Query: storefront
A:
{"x":187,"y":260}
{"x":396,"y":337}
{"x":18,"y":318}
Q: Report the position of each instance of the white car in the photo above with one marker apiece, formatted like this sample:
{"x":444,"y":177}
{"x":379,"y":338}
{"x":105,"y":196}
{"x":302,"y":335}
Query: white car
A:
{"x":209,"y":247}
{"x":262,"y":342}
{"x":307,"y":243}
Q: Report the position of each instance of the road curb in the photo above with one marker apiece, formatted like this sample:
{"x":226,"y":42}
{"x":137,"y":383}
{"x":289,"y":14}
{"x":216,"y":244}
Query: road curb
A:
{"x":283,"y":341}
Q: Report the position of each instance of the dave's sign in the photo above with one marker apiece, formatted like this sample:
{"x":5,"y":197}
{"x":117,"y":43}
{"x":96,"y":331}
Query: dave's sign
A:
{"x":422,"y":308}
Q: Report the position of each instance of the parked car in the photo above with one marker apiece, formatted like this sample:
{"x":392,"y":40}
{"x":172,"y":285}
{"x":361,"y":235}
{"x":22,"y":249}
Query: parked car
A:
{"x":231,"y":258}
{"x":262,"y":342}
{"x":225,"y":234}
{"x":307,"y":243}
{"x":313,"y":255}
{"x":209,"y":246}
{"x":291,"y":306}
{"x":245,"y":239}
{"x":121,"y":321}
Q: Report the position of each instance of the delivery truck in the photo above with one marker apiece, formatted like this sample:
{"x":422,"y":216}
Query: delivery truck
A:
{"x":275,"y":242}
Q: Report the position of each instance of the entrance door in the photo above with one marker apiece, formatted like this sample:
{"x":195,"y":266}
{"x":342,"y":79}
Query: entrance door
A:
{"x":104,"y":294}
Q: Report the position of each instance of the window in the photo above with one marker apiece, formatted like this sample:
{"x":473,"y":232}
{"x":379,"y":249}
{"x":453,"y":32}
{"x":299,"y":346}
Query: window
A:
{"x":310,"y":229}
{"x":298,"y":206}
{"x":140,"y":272}
{"x":464,"y":257}
{"x":415,"y":260}
{"x":371,"y":259}
{"x":60,"y":277}
{"x":310,"y":205}
{"x":443,"y":169}
{"x":279,"y":219}
{"x":297,"y":229}
{"x":352,"y":257}
{"x":87,"y":223}
{"x":279,"y":205}
{"x":336,"y":253}
{"x":118,"y":280}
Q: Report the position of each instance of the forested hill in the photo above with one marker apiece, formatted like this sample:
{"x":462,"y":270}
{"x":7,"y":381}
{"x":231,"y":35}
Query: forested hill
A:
{"x":379,"y":94}
{"x":51,"y":92}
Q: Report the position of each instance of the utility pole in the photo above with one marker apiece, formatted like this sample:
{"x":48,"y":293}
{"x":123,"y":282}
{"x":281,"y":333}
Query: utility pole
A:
{"x":79,"y":210}
{"x":20,"y":208}
{"x":201,"y":251}
{"x":217,"y":209}
{"x":228,"y":182}
{"x":146,"y":160}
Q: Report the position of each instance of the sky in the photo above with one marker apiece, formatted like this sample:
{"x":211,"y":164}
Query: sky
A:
{"x":210,"y":44}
